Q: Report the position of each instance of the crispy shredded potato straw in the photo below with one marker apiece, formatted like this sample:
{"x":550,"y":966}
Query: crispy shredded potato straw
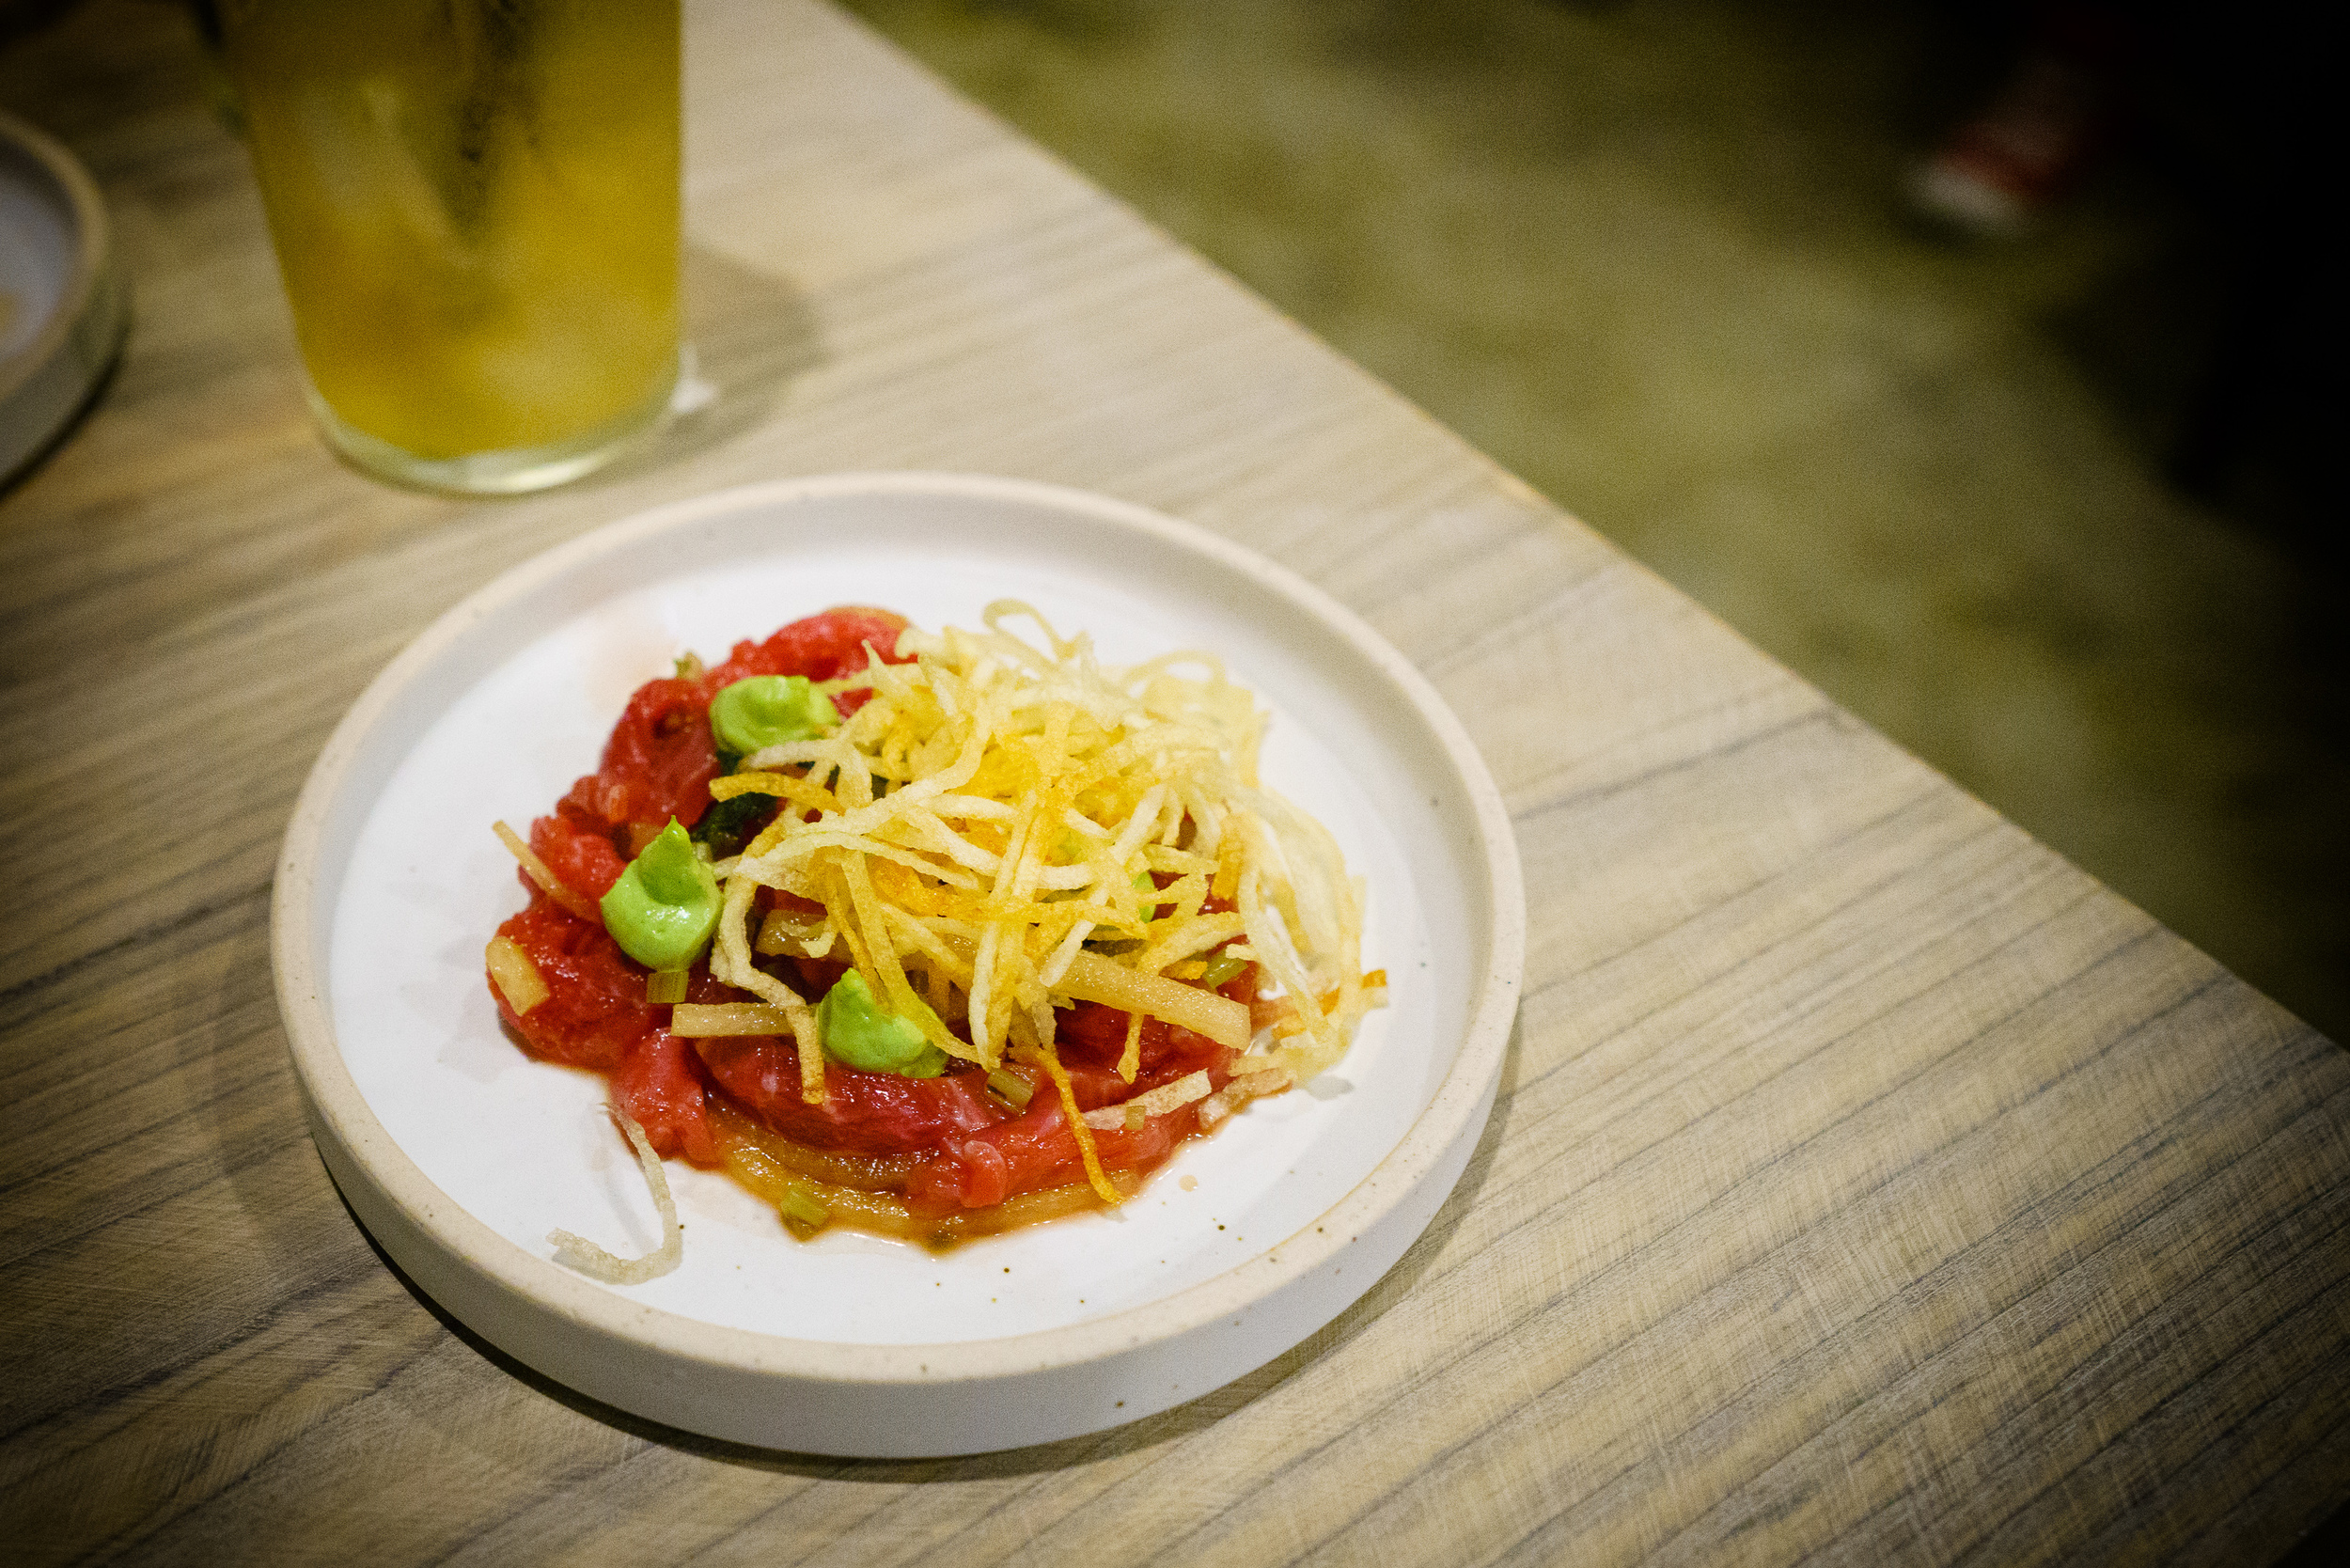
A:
{"x":1001,"y":803}
{"x":1165,"y":1098}
{"x":580,"y":1253}
{"x":539,"y":872}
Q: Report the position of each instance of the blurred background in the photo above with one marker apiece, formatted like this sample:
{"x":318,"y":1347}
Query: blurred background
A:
{"x":2042,"y":506}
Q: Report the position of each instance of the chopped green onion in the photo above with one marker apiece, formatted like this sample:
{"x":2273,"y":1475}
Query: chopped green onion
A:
{"x":1222,"y":969}
{"x":665,"y":986}
{"x":800,"y":1202}
{"x":1012,"y":1087}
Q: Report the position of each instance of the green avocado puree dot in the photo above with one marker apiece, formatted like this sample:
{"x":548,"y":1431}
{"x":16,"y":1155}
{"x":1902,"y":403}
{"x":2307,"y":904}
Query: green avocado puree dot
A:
{"x":666,"y":904}
{"x":768,"y":710}
{"x":858,"y":1032}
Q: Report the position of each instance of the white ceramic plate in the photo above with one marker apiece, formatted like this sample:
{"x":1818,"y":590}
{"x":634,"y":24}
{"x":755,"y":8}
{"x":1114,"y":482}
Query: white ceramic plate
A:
{"x":460,"y":1154}
{"x":62,"y":313}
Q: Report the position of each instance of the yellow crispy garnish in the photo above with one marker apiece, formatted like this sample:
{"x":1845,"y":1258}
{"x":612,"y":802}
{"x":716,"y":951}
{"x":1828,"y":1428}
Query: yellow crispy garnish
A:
{"x":1043,"y":1057}
{"x":988,"y":834}
{"x":543,"y":874}
{"x":580,"y":1253}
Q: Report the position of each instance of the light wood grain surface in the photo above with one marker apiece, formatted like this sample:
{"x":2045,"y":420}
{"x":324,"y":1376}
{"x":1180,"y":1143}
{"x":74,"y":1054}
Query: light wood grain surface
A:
{"x":1868,"y":1185}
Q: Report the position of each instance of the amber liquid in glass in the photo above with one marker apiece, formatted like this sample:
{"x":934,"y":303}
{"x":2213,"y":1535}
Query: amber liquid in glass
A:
{"x":475,"y":208}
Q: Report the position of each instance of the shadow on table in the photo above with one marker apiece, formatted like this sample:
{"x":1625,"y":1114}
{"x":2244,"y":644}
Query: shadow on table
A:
{"x":1168,"y":1426}
{"x":752,"y":334}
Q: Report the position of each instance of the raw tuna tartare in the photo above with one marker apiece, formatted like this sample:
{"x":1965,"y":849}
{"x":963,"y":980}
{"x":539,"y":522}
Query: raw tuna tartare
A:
{"x":928,"y":934}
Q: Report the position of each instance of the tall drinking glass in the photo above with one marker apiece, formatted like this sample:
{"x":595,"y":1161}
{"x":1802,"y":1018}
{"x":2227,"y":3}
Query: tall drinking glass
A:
{"x":474,"y":209}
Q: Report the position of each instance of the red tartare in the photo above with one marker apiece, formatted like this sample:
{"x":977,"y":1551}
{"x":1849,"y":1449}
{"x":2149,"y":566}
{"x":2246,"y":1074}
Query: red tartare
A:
{"x":978,"y":864}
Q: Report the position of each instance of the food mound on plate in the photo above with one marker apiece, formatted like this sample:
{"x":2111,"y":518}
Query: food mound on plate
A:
{"x":928,"y":934}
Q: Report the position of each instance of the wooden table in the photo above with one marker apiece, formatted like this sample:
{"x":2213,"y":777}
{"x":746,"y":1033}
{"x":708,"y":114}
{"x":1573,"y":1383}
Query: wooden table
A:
{"x":1868,"y":1183}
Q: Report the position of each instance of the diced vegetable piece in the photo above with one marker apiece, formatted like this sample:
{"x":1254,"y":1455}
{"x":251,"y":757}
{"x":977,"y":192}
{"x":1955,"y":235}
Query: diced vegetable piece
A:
{"x":518,"y":979}
{"x":1222,"y":970}
{"x":800,"y":1202}
{"x":664,"y":986}
{"x":708,"y":1020}
{"x":1013,"y":1090}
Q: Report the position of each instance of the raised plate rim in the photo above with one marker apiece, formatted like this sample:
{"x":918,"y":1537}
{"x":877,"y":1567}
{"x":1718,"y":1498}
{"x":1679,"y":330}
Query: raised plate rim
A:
{"x":498,"y":1287}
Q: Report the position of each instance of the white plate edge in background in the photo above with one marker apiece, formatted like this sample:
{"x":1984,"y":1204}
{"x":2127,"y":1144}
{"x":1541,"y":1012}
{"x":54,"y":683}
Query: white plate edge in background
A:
{"x":43,"y":387}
